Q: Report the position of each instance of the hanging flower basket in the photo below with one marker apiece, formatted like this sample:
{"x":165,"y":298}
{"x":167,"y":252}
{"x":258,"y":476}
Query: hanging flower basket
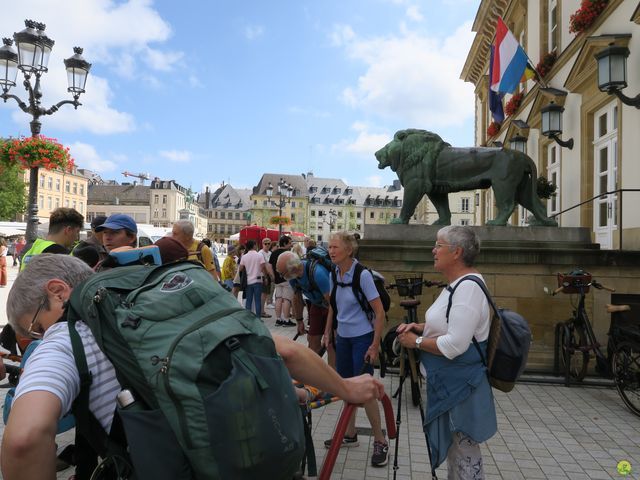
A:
{"x":493,"y":130}
{"x":280,"y":220}
{"x":40,"y":151}
{"x":545,"y":64}
{"x":513,"y":104}
{"x":584,"y":17}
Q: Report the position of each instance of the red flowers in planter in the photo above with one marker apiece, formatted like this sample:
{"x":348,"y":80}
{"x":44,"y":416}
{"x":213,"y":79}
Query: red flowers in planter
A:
{"x":513,"y":104}
{"x":584,"y":17}
{"x":40,"y":151}
{"x":493,"y":130}
{"x":545,"y":64}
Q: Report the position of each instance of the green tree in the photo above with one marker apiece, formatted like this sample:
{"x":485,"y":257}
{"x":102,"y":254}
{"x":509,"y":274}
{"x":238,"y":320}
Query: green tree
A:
{"x":12,"y":192}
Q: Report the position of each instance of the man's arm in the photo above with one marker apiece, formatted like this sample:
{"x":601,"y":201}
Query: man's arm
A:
{"x":306,"y":366}
{"x":298,"y":310}
{"x":28,"y":444}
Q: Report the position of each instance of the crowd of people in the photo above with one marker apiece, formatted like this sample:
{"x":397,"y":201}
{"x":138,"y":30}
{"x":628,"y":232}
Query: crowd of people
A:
{"x":320,"y":304}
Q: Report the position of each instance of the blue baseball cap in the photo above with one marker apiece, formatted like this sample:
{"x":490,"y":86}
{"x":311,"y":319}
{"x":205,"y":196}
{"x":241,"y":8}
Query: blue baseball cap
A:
{"x":119,"y":221}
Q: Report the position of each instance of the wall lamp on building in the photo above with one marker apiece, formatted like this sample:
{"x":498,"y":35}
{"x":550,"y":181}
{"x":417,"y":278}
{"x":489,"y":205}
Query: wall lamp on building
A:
{"x":518,"y":143}
{"x":32,"y":59}
{"x":552,"y":124}
{"x":612,"y":73}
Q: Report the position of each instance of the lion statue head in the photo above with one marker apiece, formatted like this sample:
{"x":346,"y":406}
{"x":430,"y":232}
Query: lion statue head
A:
{"x":410,"y":148}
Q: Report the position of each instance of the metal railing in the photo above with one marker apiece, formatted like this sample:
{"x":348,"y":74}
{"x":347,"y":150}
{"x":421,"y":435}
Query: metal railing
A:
{"x":620,"y":191}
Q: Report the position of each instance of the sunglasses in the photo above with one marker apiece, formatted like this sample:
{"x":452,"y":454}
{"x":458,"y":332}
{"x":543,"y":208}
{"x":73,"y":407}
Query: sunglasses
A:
{"x":31,"y":332}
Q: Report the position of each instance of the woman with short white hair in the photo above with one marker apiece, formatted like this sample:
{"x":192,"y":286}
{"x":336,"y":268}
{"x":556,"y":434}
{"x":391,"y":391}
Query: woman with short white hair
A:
{"x":460,"y":411}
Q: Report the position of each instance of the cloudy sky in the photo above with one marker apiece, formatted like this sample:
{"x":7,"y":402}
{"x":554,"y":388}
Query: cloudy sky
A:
{"x":204,"y":91}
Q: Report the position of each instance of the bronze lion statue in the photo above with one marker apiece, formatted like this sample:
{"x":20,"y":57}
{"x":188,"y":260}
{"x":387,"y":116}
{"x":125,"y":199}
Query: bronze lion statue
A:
{"x":427,"y":165}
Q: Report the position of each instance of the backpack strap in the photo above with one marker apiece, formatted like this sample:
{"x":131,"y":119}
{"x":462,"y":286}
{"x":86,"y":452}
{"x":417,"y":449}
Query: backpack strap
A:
{"x":332,"y":297}
{"x":359,"y":293}
{"x":87,"y":424}
{"x":481,"y":284}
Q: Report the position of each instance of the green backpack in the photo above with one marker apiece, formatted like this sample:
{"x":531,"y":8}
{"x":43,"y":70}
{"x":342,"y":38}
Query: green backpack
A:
{"x":214,"y":400}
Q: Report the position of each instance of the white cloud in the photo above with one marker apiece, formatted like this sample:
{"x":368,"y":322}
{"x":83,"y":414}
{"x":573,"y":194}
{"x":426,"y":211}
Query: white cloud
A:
{"x":86,"y":156}
{"x":251,"y":32}
{"x":162,"y":61}
{"x":341,"y":35}
{"x":366,"y":143}
{"x":178,"y":156}
{"x":413,"y":78}
{"x":116,"y":34}
{"x":195,"y":82}
{"x":414,"y":13}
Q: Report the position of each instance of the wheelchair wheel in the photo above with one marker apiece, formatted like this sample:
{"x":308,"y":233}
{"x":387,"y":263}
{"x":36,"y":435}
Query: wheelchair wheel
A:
{"x":626,"y":374}
{"x":574,"y":357}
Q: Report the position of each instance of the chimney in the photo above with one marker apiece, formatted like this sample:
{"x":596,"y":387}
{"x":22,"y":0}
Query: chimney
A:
{"x":397,"y":185}
{"x":207,"y":197}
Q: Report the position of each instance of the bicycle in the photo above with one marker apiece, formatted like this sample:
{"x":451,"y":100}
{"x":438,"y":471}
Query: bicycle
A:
{"x":624,"y":342}
{"x":575,"y":339}
{"x":407,"y":287}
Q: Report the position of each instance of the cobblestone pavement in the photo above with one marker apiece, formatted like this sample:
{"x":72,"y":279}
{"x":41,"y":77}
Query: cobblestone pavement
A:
{"x":544,"y":432}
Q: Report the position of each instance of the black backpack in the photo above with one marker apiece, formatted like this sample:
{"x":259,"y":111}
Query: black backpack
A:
{"x":378,"y":281}
{"x":509,"y":342}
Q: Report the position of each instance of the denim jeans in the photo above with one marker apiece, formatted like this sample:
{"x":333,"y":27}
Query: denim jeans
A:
{"x":254,"y":293}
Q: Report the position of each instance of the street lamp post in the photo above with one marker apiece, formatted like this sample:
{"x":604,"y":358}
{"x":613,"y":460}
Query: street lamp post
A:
{"x":285,"y":191}
{"x":32,"y":58}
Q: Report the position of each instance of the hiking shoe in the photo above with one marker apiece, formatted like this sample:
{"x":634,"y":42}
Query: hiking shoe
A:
{"x":288,"y":323}
{"x":379,"y":457}
{"x":346,"y":442}
{"x":279,"y":322}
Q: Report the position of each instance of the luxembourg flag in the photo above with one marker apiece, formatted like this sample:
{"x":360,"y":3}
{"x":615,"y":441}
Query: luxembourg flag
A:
{"x":509,"y":61}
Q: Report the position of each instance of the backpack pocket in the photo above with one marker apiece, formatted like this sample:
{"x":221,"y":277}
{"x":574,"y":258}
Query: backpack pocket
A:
{"x":153,"y":447}
{"x":254,"y":421}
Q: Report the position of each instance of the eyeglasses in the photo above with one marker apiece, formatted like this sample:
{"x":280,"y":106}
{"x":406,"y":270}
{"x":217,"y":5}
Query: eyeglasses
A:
{"x":32,"y":334}
{"x":440,"y":245}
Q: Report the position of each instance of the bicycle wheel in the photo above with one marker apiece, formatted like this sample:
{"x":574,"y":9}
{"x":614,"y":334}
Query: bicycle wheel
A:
{"x":574,"y":356}
{"x":626,"y":374}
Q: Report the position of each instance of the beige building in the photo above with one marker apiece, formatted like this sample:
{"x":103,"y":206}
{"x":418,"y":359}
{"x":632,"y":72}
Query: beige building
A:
{"x":58,"y":188}
{"x":228,"y":210}
{"x":596,"y":177}
{"x":265,"y":201}
{"x":132,"y":200}
{"x":170,"y":201}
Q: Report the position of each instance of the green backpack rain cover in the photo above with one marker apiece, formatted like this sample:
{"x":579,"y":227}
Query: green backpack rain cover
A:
{"x":214,"y":399}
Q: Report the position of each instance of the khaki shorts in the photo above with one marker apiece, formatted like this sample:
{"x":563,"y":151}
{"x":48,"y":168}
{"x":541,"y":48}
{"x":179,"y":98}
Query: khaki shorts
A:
{"x":284,"y":290}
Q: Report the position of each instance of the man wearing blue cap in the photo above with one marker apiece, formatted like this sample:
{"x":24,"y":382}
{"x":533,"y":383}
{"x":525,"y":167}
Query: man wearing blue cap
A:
{"x":119,"y":230}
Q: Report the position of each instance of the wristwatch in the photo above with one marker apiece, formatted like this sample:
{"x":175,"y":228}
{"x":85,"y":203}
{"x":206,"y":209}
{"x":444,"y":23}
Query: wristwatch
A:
{"x":418,"y":342}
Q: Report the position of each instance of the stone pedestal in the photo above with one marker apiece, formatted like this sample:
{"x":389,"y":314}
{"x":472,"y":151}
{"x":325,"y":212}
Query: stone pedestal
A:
{"x":517,"y":263}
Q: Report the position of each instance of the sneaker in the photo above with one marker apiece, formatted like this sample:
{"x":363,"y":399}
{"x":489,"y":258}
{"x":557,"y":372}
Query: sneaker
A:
{"x":346,"y":442}
{"x":279,"y":322}
{"x":379,"y":457}
{"x":288,"y":323}
{"x":265,"y":315}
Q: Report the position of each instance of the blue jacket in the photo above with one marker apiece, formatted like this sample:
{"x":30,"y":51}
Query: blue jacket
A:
{"x":459,"y":399}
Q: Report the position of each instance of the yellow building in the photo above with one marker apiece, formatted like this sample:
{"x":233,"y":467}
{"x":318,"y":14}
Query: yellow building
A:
{"x":596,"y":176}
{"x":265,"y":201}
{"x":58,"y":188}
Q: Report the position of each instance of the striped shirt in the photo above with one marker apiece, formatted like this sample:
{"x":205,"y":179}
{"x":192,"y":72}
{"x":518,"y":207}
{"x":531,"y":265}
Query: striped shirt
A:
{"x":52,"y":368}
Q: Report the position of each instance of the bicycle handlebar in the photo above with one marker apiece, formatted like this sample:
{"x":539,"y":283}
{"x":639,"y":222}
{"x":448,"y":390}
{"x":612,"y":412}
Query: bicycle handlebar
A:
{"x":600,"y":286}
{"x":593,"y":283}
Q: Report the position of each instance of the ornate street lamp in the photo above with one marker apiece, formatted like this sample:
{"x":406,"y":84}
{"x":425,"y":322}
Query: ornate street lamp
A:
{"x":518,"y":143}
{"x":612,"y":73}
{"x":32,"y":59}
{"x":552,"y":124}
{"x":285,"y":192}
